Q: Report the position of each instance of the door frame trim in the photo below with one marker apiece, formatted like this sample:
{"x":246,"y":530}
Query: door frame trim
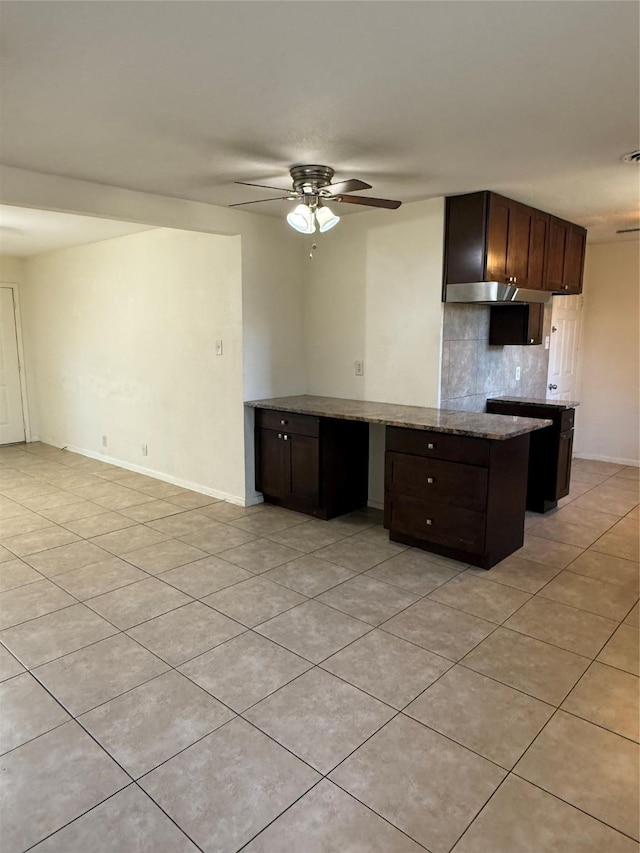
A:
{"x":17,"y":317}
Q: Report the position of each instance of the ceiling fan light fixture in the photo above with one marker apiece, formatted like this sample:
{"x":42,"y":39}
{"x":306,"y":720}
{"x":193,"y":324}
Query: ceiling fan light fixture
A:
{"x":301,"y":218}
{"x":326,"y":218}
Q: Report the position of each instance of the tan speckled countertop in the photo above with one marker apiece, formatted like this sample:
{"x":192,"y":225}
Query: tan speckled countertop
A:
{"x":474,"y":424}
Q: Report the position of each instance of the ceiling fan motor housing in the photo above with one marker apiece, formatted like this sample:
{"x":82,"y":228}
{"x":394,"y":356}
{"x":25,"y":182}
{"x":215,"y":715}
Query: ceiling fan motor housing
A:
{"x":309,"y":179}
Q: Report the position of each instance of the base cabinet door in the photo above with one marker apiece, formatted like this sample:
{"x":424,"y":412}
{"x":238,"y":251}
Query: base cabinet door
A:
{"x":270,"y":463}
{"x":302,"y":469}
{"x":565,"y":450}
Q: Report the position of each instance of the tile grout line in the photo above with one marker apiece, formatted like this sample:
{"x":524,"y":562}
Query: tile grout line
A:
{"x":318,"y":665}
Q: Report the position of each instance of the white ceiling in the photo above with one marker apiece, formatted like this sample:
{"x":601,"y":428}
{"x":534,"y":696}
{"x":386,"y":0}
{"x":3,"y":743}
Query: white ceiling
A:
{"x":537,"y":100}
{"x":26,"y":232}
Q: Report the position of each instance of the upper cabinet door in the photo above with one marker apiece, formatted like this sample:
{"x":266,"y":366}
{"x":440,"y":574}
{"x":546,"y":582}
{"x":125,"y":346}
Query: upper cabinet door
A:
{"x":574,"y":259}
{"x":516,"y":238}
{"x":564,"y":264}
{"x":499,"y":232}
{"x":556,"y":249}
{"x":539,"y":229}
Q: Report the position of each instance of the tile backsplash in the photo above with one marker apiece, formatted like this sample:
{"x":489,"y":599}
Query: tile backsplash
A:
{"x":472,"y":370}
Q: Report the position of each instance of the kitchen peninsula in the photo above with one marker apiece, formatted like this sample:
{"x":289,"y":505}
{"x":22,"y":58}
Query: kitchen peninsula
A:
{"x":455,"y":482}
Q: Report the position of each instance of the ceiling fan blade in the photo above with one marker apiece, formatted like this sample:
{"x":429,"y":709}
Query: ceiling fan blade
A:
{"x":264,"y":186}
{"x":372,"y":202}
{"x":259,"y":200}
{"x":350,"y":186}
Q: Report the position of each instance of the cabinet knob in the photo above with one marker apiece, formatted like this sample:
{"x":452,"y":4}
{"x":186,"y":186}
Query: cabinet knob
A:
{"x":531,"y":340}
{"x":431,"y":446}
{"x":286,"y":437}
{"x":429,"y":521}
{"x":283,"y":423}
{"x":565,"y":287}
{"x":279,"y":435}
{"x":429,"y":479}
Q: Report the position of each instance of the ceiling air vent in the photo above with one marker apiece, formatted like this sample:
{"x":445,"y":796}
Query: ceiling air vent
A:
{"x":632,"y":157}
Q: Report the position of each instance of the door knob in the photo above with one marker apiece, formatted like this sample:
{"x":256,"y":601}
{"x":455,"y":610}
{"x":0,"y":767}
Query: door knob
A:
{"x":554,"y":328}
{"x":552,"y":387}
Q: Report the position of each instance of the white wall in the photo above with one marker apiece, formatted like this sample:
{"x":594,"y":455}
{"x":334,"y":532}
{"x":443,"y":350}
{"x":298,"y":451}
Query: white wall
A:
{"x":120,"y":342}
{"x":373,"y":292}
{"x":270,"y":269}
{"x":607,"y":422}
{"x":11,"y":269}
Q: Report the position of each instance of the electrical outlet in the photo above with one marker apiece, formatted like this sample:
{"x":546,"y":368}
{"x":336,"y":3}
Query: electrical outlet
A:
{"x":145,"y":449}
{"x":104,"y":440}
{"x":518,"y":373}
{"x":359,"y":368}
{"x":218,"y":347}
{"x":547,"y":342}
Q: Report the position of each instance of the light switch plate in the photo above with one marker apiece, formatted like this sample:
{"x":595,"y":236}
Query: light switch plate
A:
{"x":359,"y":368}
{"x":218,"y":347}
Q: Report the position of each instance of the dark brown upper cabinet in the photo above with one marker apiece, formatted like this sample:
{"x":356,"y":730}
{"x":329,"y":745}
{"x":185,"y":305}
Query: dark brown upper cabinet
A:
{"x":564,"y":263}
{"x":492,"y":238}
{"x":516,"y":324}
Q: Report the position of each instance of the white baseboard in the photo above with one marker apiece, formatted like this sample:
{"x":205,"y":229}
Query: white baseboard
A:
{"x":375,"y":504}
{"x":166,"y":478}
{"x":595,"y":457}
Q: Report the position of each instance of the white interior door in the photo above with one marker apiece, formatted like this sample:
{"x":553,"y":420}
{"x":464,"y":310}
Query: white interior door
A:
{"x":11,"y":412}
{"x":562,"y":379}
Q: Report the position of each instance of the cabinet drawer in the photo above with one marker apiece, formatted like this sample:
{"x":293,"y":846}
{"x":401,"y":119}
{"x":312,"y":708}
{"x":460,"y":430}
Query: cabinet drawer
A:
{"x":438,"y":445}
{"x":434,"y":479}
{"x":287,"y":422}
{"x":567,"y":419}
{"x":442,"y":524}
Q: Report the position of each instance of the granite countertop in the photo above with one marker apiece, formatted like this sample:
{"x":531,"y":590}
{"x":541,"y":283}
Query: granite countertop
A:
{"x":475,"y":424}
{"x":537,"y":401}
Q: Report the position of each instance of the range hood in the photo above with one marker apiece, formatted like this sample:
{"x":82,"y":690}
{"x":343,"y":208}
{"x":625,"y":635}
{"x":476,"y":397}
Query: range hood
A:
{"x":492,"y":292}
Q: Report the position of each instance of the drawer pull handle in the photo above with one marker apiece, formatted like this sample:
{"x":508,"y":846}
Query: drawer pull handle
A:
{"x":429,"y":521}
{"x":430,"y":480}
{"x":283,"y":423}
{"x":286,"y":437}
{"x":279,"y":435}
{"x":431,"y":446}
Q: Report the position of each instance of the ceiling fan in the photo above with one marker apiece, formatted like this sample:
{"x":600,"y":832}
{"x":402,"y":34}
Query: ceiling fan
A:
{"x":312,"y":188}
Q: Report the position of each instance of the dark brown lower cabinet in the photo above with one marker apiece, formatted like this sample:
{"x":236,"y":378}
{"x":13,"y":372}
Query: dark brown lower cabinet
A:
{"x":549,"y":474}
{"x":454,"y":495}
{"x":318,"y":466}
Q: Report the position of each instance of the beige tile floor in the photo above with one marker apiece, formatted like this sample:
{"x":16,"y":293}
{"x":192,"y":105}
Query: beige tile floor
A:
{"x":181,"y":674}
